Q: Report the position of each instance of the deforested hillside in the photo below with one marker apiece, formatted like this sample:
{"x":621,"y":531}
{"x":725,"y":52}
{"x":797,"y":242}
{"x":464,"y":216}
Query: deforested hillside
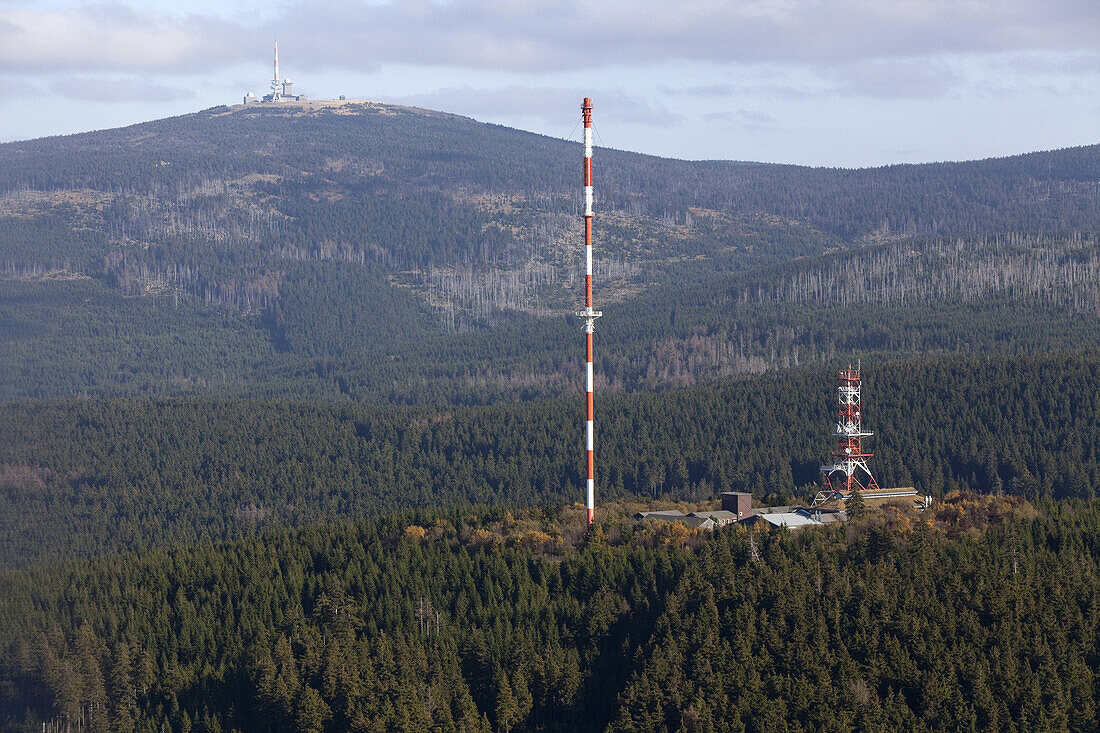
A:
{"x":389,"y":253}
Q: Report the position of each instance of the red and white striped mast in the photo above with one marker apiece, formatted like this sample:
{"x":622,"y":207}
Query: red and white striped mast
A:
{"x":588,"y":314}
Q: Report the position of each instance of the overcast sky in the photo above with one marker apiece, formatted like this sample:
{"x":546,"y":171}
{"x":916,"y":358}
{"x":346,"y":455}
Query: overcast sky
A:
{"x":818,"y":82}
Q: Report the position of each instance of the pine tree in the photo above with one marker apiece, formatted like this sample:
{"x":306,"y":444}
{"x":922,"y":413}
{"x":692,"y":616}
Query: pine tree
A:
{"x":506,"y":709}
{"x":854,"y":505}
{"x":122,"y":697}
{"x":310,"y":711}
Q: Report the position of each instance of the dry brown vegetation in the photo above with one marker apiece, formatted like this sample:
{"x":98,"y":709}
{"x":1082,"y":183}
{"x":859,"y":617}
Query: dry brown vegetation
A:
{"x":563,"y":530}
{"x":955,"y":515}
{"x":967,"y":512}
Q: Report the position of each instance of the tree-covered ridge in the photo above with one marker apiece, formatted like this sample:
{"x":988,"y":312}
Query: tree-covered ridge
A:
{"x":369,"y":626}
{"x":385,"y":253}
{"x":417,"y":189}
{"x":343,"y":329}
{"x":87,"y":476}
{"x":400,"y":148}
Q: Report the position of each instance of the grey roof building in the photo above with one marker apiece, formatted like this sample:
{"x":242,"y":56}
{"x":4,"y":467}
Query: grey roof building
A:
{"x":721,"y":517}
{"x":790,"y":520}
{"x":675,"y":515}
{"x":825,"y":516}
{"x":798,"y":517}
{"x":791,"y":517}
{"x":668,"y":515}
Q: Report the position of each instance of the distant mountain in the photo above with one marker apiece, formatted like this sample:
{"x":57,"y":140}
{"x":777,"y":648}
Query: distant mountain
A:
{"x":374,"y":148}
{"x":396,"y":253}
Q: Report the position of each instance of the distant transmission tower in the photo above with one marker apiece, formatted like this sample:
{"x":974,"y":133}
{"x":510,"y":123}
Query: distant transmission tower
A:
{"x":275,"y":95}
{"x":844,"y":476}
{"x":588,"y":314}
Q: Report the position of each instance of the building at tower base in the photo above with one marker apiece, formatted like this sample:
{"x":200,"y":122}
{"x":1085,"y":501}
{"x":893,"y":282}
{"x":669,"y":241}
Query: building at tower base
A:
{"x":282,"y":93}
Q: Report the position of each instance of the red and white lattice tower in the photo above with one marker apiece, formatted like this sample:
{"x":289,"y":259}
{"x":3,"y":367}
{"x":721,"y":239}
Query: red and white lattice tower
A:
{"x":849,"y":473}
{"x":588,"y":314}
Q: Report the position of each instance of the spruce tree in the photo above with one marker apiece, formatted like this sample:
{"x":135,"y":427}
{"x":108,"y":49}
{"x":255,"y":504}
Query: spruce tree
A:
{"x":854,"y":505}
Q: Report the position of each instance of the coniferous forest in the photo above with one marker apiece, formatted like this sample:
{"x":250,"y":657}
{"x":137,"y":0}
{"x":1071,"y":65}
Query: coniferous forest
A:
{"x":431,"y":621}
{"x":291,"y":434}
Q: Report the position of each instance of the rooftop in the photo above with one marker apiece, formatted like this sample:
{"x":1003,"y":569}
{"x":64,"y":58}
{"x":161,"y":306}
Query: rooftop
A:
{"x":791,"y":520}
{"x":667,"y":514}
{"x":773,"y":509}
{"x":825,"y":516}
{"x":717,"y":514}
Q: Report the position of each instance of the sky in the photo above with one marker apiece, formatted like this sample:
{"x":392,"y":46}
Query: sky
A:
{"x":848,"y":83}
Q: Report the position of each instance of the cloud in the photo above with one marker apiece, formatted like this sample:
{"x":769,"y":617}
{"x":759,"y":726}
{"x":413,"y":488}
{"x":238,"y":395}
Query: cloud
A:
{"x":542,"y":103}
{"x":754,"y":117}
{"x":769,"y":90}
{"x":570,"y":34}
{"x":114,"y":37}
{"x":748,"y":119}
{"x":1059,"y":64}
{"x":897,"y":78}
{"x":720,"y":89}
{"x":86,"y":89}
{"x":22,"y":88}
{"x":545,"y":35}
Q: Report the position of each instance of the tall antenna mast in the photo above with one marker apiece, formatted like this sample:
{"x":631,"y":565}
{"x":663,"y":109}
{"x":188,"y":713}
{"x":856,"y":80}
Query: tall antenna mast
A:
{"x":588,"y":314}
{"x":275,"y":81}
{"x":849,"y":433}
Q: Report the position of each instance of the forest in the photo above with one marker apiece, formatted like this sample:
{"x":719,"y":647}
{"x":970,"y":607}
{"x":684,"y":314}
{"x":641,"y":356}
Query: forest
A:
{"x":341,"y":331}
{"x":80,"y":477}
{"x":291,"y":434}
{"x":385,"y":255}
{"x":427,"y":621}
